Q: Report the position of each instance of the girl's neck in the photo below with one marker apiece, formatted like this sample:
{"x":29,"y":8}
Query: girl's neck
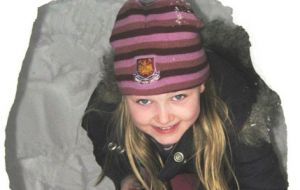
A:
{"x":167,"y":147}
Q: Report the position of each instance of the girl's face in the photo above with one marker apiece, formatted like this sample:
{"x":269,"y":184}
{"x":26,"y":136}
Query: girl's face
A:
{"x":165,"y":117}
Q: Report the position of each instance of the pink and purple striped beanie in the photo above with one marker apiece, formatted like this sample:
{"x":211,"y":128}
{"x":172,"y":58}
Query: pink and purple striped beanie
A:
{"x":158,"y":48}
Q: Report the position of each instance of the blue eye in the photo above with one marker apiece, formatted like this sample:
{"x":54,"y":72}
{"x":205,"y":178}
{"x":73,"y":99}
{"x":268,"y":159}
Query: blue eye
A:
{"x":143,"y":101}
{"x":178,"y":97}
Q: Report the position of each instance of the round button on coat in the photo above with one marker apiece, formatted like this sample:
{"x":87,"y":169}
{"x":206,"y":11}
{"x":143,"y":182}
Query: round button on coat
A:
{"x":120,"y":150}
{"x":112,"y":146}
{"x":178,"y":157}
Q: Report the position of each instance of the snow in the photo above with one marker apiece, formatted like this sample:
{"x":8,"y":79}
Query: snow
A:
{"x":62,"y":67}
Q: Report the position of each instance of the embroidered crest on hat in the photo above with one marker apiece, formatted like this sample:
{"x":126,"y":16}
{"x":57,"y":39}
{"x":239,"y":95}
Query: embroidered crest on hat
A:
{"x":146,"y":70}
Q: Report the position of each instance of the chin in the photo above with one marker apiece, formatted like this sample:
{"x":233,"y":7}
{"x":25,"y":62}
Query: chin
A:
{"x":167,"y":141}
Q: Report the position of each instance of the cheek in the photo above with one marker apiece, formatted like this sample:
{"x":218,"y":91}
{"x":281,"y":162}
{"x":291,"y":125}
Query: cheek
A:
{"x":191,"y":112}
{"x":139,"y":116}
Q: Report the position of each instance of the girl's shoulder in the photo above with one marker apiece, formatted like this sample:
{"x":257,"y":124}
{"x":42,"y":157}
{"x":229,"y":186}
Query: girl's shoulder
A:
{"x":97,"y":117}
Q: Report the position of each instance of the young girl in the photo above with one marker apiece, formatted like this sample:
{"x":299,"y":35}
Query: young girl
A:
{"x":169,"y":129}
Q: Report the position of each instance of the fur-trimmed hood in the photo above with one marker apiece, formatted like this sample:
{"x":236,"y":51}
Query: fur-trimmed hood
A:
{"x":256,"y":109}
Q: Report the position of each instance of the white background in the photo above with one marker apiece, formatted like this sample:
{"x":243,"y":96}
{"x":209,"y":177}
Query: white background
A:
{"x":271,"y":24}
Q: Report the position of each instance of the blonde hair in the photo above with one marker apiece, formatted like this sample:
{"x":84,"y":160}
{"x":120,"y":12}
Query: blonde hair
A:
{"x":211,"y":146}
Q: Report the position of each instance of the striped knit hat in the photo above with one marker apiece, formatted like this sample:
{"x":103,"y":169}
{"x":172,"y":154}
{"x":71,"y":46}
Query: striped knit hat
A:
{"x":158,"y":48}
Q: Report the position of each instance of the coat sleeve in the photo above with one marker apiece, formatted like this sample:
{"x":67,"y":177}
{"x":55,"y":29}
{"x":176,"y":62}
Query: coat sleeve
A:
{"x":114,"y":164}
{"x":257,"y":168}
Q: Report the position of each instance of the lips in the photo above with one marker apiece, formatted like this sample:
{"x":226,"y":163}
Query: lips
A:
{"x":166,"y":130}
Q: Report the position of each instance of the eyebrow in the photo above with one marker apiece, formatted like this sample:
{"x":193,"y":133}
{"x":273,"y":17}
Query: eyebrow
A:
{"x":181,"y":92}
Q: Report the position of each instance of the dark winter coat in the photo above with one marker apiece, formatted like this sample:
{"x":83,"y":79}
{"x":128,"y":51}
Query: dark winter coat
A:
{"x":256,"y":165}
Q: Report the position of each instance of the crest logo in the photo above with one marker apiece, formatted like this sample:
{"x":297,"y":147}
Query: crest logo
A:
{"x":146,"y":70}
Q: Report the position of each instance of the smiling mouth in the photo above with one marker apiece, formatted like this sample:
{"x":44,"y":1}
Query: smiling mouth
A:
{"x":165,"y":130}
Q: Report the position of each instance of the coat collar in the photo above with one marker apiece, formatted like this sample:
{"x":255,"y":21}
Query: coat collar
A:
{"x":178,"y":157}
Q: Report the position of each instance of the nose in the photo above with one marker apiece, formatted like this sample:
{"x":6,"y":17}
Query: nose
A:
{"x":164,"y":114}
